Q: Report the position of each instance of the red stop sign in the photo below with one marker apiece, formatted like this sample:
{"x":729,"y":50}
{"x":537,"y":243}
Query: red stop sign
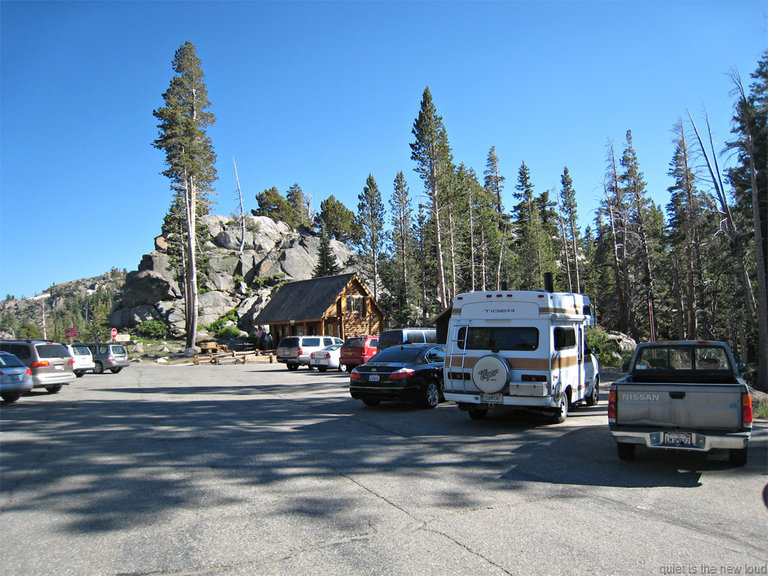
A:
{"x":113,"y":333}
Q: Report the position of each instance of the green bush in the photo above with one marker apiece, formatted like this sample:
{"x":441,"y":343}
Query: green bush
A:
{"x":156,"y":329}
{"x":228,"y":332}
{"x":608,"y":354}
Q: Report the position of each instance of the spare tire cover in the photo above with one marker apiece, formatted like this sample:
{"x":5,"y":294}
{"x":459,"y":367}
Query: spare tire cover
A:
{"x":490,"y":374}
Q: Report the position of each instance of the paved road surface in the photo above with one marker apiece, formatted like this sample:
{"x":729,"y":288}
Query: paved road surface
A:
{"x":251,"y":469}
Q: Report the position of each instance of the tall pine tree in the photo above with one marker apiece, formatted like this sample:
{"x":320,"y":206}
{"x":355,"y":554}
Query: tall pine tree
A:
{"x":190,"y":161}
{"x":432,"y":154}
{"x":370,"y":221}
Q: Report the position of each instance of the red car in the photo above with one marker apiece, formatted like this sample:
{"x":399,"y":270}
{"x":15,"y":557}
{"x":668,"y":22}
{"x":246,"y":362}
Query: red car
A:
{"x":358,"y":350}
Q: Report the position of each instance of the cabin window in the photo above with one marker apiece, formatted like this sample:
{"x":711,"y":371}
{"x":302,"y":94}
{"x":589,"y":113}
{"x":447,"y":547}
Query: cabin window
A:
{"x":355,"y":304}
{"x":565,"y":337}
{"x":498,"y":338}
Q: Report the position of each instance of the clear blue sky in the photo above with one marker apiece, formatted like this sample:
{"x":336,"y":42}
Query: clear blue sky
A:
{"x":324,"y":93}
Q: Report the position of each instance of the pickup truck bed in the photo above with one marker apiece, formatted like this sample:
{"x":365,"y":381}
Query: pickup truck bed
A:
{"x":690,"y":408}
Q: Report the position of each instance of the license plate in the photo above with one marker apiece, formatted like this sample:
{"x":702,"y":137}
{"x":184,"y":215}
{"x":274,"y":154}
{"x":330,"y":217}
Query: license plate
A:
{"x":677,"y":439}
{"x":373,"y":378}
{"x":491,"y":398}
{"x":58,"y":367}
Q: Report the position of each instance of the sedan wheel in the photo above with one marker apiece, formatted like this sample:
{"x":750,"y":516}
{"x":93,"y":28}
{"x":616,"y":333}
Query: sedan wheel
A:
{"x":11,"y":397}
{"x":371,"y":402}
{"x":431,"y":395}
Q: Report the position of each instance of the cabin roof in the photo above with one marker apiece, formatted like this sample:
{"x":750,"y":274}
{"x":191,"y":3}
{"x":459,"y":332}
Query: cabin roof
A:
{"x":303,"y":299}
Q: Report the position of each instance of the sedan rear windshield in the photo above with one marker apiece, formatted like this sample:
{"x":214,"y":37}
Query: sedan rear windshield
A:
{"x":10,"y":361}
{"x":398,"y":354}
{"x":52,"y":351}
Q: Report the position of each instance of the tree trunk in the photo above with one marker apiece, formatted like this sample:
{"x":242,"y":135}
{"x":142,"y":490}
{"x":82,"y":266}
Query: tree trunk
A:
{"x":191,"y":264}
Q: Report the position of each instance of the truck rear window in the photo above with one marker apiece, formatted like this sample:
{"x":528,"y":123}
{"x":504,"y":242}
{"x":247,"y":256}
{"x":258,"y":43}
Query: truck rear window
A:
{"x":663,"y":358}
{"x":498,"y":338}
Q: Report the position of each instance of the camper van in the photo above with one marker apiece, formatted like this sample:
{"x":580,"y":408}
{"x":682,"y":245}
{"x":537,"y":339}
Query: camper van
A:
{"x":520,"y":349}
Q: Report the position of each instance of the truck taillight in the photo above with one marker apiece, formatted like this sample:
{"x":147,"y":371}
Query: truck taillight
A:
{"x":612,"y":405}
{"x":746,"y":408}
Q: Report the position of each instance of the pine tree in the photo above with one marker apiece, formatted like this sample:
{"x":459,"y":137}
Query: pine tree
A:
{"x":432,"y":154}
{"x":402,"y":244}
{"x":327,"y":265}
{"x":750,"y":182}
{"x":532,"y":246}
{"x":494,"y":185}
{"x":612,"y":244}
{"x":642,"y":249}
{"x":273,"y":205}
{"x":190,"y":160}
{"x":570,"y":229}
{"x":300,"y":207}
{"x":370,"y":221}
{"x":339,"y":221}
{"x":686,"y":220}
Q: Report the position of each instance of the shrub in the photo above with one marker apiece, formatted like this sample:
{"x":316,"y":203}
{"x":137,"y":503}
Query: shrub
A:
{"x":608,"y":353}
{"x":156,"y":329}
{"x":229,"y":332}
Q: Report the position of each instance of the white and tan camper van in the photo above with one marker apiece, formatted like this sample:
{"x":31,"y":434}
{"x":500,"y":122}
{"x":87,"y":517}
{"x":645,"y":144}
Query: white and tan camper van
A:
{"x":520,"y":349}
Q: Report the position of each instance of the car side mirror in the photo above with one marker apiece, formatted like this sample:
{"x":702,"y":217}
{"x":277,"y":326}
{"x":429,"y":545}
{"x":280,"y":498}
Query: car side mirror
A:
{"x":741,"y":367}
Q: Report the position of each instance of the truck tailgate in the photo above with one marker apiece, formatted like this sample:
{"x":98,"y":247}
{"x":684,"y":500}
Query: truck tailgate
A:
{"x":684,"y":406}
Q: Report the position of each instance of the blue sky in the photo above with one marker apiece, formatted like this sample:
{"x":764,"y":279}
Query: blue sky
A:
{"x":324,"y":93}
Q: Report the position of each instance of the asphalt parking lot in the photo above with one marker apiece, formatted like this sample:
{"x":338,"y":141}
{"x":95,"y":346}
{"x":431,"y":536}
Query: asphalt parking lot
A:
{"x":252,"y":469}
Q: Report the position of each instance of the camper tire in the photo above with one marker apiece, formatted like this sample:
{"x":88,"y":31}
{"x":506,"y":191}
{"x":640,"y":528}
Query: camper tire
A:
{"x":594,"y":396}
{"x":478,"y":413}
{"x":561,"y":412}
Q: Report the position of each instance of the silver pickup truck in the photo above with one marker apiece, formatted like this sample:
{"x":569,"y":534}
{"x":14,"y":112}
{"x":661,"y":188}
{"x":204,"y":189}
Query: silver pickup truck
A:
{"x":683,"y":395}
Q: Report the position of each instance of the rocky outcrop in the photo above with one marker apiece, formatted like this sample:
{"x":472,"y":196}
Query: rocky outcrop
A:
{"x":234,"y":280}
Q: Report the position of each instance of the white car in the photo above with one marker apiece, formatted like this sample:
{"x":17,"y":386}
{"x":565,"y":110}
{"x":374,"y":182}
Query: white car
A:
{"x":83,"y":358}
{"x":328,"y":357}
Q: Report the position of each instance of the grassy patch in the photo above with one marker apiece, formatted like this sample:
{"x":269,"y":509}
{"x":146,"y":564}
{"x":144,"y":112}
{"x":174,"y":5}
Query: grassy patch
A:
{"x":761,"y":410}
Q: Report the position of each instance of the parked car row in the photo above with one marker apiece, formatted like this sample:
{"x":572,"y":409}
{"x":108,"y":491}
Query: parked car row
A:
{"x":296,"y":351}
{"x":403,"y":364}
{"x":28,"y":364}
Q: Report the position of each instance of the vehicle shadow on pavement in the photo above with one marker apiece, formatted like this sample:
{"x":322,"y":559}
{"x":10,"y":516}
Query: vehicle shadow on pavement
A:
{"x":588,"y":457}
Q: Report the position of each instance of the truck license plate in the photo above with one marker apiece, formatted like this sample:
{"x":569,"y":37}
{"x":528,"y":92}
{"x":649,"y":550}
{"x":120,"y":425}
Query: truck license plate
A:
{"x":373,"y":378}
{"x":677,"y":439}
{"x":491,"y":398}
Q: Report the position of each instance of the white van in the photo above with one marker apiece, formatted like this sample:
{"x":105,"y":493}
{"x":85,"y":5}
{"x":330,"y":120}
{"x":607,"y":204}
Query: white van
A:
{"x":520,"y":349}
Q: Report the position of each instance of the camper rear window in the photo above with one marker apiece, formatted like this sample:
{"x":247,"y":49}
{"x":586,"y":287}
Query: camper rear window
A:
{"x":498,"y":338}
{"x":565,"y":338}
